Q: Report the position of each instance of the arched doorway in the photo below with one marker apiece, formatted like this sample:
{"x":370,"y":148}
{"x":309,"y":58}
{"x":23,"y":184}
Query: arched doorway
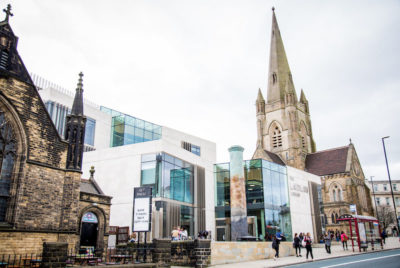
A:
{"x":89,"y":230}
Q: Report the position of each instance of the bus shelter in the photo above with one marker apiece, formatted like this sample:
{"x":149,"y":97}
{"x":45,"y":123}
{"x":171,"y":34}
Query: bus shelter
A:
{"x":365,"y":230}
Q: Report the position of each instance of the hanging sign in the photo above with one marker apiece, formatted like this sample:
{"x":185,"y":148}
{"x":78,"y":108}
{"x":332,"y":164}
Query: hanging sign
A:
{"x":142,"y":209}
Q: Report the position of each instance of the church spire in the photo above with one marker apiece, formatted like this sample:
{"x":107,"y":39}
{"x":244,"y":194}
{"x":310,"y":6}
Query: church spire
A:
{"x":77,"y":106}
{"x":75,"y":130}
{"x":279,"y":75}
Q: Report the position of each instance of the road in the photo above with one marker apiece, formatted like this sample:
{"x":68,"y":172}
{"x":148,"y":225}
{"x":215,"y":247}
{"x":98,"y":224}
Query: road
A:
{"x":384,"y":259}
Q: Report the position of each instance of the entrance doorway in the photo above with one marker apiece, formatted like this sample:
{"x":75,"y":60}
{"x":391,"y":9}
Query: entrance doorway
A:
{"x":89,"y":230}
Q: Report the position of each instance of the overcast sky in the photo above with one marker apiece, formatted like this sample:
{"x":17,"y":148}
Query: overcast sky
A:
{"x":196,"y":66}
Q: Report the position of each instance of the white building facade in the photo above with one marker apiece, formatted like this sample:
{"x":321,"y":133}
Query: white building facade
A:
{"x":129,"y":152}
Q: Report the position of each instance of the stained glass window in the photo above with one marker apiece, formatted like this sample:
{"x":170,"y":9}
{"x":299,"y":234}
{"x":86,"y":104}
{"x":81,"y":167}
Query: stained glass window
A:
{"x":7,"y":156}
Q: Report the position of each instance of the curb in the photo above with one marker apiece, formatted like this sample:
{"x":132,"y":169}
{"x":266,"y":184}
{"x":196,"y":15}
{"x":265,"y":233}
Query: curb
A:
{"x":333,"y":257}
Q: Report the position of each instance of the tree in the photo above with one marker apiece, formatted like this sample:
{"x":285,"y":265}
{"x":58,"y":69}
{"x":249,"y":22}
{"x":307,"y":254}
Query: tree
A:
{"x":386,"y":216}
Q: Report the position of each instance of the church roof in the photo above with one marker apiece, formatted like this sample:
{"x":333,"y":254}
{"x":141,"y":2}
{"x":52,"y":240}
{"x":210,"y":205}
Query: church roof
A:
{"x":90,"y":186}
{"x":327,"y":162}
{"x":267,"y":155}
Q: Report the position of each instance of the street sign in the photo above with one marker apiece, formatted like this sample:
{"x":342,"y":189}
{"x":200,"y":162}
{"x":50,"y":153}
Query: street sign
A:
{"x":142,"y":197}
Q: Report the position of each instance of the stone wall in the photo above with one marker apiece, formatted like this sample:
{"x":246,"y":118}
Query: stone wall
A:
{"x":231,"y":252}
{"x":32,"y":243}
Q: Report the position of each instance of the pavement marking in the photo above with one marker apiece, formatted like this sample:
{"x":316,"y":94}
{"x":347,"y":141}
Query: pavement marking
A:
{"x":370,"y":259}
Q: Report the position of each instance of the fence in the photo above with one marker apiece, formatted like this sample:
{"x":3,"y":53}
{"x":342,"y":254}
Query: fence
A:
{"x":24,"y":260}
{"x":159,"y":252}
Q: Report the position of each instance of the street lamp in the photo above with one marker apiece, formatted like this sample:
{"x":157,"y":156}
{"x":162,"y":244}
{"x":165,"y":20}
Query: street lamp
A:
{"x":390,"y":181}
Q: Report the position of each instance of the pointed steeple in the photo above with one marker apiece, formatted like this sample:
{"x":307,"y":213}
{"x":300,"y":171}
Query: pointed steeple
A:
{"x":303,"y":97}
{"x":77,"y":106}
{"x":75,"y":130}
{"x":279,"y":75}
{"x":260,"y":97}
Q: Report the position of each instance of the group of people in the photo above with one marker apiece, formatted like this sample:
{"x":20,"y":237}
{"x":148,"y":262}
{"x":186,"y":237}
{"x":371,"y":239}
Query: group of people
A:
{"x":303,"y":240}
{"x":328,"y":237}
{"x":179,"y":233}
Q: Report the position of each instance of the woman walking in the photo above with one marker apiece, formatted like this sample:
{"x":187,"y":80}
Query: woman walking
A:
{"x":275,"y":245}
{"x":344,"y":239}
{"x":308,"y":241}
{"x":297,"y":244}
{"x":327,"y":239}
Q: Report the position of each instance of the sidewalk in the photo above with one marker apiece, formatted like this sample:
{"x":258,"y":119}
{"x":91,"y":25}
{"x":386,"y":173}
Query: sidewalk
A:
{"x":318,"y":252}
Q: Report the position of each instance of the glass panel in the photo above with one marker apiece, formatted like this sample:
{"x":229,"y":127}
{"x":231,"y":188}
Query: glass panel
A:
{"x":221,"y":167}
{"x":129,"y":135}
{"x":178,"y":162}
{"x":148,"y":173}
{"x":3,"y":208}
{"x":187,"y":220}
{"x":89,"y":217}
{"x":169,"y":158}
{"x":139,"y":123}
{"x":148,"y":126}
{"x":89,"y":131}
{"x":139,"y":133}
{"x":148,"y":136}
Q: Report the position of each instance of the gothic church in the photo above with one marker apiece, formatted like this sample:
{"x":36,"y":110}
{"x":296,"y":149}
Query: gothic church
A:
{"x":42,"y":195}
{"x":284,"y":130}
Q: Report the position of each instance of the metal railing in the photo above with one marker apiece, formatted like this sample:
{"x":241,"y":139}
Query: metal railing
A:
{"x":20,"y":260}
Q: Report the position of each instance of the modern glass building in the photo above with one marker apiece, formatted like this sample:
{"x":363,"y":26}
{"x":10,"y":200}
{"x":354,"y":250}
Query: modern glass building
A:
{"x":126,"y":129}
{"x":58,"y":114}
{"x":175,"y":183}
{"x":267,"y":196}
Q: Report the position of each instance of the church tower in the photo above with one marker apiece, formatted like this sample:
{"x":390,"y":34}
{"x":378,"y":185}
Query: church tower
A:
{"x":75,"y":129}
{"x":283,"y":121}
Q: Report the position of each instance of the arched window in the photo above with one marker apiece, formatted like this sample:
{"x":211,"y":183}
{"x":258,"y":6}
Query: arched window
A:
{"x":340,"y":198}
{"x":336,"y":217}
{"x":7,"y":157}
{"x":334,"y":195}
{"x":333,"y":218}
{"x":276,"y":137}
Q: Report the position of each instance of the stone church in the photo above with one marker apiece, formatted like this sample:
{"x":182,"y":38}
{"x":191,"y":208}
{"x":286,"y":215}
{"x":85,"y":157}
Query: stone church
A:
{"x":284,"y":130}
{"x":42,"y":195}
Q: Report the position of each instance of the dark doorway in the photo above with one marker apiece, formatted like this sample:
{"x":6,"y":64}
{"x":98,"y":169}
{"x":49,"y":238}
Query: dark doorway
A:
{"x":89,"y":230}
{"x":89,"y":234}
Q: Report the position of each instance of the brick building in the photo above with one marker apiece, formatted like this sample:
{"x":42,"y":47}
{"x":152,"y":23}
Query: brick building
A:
{"x":42,"y":196}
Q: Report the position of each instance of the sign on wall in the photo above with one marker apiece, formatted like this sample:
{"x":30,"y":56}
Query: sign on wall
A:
{"x":353,"y":209}
{"x":142,"y":197}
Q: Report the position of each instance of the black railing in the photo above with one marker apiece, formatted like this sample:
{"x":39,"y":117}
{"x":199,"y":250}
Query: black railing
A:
{"x":20,"y":260}
{"x":112,"y":256}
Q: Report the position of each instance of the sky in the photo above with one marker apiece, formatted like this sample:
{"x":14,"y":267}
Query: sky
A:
{"x":196,"y":66}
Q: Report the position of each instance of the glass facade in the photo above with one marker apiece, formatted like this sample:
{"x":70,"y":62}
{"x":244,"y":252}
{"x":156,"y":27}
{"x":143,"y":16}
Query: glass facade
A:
{"x":58,"y":114}
{"x":126,"y":129}
{"x":266,"y":194}
{"x":169,"y":176}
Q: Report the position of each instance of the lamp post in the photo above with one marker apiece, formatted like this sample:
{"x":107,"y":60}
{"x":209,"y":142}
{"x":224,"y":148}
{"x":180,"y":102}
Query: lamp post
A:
{"x":390,"y":181}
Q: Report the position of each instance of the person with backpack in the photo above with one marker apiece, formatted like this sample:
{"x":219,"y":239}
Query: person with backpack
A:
{"x":308,"y":241}
{"x":344,"y":239}
{"x":297,"y":244}
{"x":275,"y":246}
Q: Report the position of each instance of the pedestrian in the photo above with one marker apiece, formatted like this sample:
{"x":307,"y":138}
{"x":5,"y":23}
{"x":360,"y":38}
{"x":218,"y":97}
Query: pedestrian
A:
{"x":184,"y":233}
{"x":344,"y":239}
{"x":301,"y":236}
{"x":275,"y":245}
{"x":337,"y":235}
{"x":175,"y":234}
{"x":308,"y":241}
{"x":384,"y":235}
{"x":297,"y":245}
{"x":327,"y":239}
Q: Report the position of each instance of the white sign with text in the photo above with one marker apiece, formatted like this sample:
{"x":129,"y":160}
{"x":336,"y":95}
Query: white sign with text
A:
{"x":141,"y":214}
